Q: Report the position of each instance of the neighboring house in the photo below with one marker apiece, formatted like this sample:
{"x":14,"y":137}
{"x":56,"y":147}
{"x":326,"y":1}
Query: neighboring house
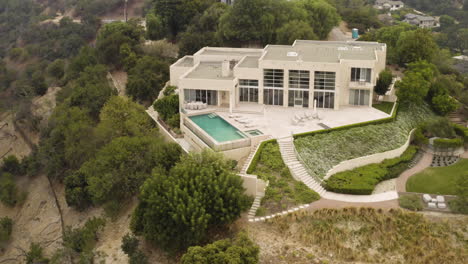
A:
{"x":229,"y":2}
{"x":421,"y":21}
{"x":388,"y":4}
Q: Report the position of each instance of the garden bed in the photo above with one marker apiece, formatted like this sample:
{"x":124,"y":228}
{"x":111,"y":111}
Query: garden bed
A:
{"x":283,"y":191}
{"x":440,"y":180}
{"x":321,"y":151}
{"x":363,"y":180}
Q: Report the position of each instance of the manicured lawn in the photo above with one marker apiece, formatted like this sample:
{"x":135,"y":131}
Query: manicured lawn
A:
{"x":283,"y":191}
{"x":440,"y":180}
{"x":384,"y":107}
{"x":320,"y":152}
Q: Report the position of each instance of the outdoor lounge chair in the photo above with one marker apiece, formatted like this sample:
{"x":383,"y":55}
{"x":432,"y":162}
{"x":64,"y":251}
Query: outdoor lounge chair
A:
{"x":235,"y":116}
{"x":249,"y":125}
{"x":427,"y":198}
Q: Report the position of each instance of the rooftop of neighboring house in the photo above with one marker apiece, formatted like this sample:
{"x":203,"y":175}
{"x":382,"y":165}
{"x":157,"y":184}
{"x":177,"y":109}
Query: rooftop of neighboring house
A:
{"x":419,"y":17}
{"x":382,"y":2}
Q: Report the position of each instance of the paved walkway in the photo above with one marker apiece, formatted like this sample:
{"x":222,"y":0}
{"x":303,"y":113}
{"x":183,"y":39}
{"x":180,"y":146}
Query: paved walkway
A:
{"x":422,"y":164}
{"x":325,"y":203}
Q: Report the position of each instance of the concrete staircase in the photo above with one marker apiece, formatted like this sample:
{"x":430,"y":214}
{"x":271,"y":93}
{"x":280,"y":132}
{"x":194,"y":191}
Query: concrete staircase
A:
{"x":295,"y":166}
{"x":255,"y":205}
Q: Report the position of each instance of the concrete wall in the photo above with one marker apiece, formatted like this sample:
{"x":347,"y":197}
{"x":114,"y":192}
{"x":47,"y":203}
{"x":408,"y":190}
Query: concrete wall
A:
{"x":366,"y":160}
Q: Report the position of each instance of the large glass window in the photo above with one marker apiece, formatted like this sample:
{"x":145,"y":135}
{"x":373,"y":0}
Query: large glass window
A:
{"x":206,"y":96}
{"x":273,"y":96}
{"x":325,"y":99}
{"x":359,"y":97}
{"x":299,"y":79}
{"x":324,"y":80}
{"x":248,"y":90}
{"x":273,"y":78}
{"x":361,"y":74}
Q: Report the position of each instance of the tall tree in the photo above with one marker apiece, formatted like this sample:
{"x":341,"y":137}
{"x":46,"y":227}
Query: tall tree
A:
{"x":416,"y":45}
{"x":177,"y":210}
{"x":293,"y":30}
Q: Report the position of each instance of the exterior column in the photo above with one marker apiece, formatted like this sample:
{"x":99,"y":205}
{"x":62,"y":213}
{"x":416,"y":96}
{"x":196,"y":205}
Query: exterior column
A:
{"x":285,"y":87}
{"x":260,"y":90}
{"x":231,"y":101}
{"x":311,"y":89}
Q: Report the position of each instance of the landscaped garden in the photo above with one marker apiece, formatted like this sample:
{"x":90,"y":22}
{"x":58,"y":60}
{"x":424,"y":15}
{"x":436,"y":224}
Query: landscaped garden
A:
{"x":283,"y":191}
{"x":363,"y":180}
{"x":384,"y":107}
{"x":321,"y":151}
{"x":440,"y":180}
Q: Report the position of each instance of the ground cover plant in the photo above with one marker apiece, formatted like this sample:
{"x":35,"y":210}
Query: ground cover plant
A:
{"x":440,"y":180}
{"x":362,"y":180}
{"x":365,"y":235}
{"x":411,"y":202}
{"x":283,"y":190}
{"x":384,"y":107}
{"x":320,"y":152}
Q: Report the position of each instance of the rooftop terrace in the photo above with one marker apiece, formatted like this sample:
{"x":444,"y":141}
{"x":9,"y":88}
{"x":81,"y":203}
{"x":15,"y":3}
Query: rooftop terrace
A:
{"x":208,"y":70}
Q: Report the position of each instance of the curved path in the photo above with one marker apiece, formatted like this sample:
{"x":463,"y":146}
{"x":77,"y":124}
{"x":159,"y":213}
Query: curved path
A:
{"x":422,"y":164}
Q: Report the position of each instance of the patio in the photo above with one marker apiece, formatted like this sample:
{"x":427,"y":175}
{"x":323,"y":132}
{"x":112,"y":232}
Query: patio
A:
{"x":277,"y":121}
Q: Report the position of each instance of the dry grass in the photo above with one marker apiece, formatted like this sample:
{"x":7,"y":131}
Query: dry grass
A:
{"x":363,"y":235}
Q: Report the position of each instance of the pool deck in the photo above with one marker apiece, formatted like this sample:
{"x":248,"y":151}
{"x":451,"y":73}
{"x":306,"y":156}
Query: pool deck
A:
{"x":277,"y":120}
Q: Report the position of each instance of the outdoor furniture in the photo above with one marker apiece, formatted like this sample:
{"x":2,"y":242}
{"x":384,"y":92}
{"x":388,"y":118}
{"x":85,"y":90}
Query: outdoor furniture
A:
{"x":434,"y":200}
{"x":442,"y":205}
{"x":432,"y":205}
{"x":427,"y":198}
{"x":440,"y":199}
{"x":243,"y":120}
{"x":296,"y":121}
{"x":249,"y":125}
{"x":235,"y":116}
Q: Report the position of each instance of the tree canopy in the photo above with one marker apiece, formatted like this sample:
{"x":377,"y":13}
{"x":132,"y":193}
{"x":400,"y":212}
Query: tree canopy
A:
{"x":178,"y":207}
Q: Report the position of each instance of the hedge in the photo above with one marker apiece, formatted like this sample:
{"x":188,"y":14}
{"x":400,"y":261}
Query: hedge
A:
{"x":461,"y":131}
{"x":256,"y":157}
{"x":363,"y":180}
{"x":373,"y":122}
{"x":446,"y":143}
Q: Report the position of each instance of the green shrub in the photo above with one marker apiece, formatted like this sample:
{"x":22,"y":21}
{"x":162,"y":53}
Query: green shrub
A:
{"x":169,"y":90}
{"x":440,"y":127}
{"x":138,"y":258}
{"x":419,"y":138}
{"x":8,"y":189}
{"x":167,"y":106}
{"x":411,"y":202}
{"x":255,"y":159}
{"x":304,"y":195}
{"x":35,"y":255}
{"x":444,"y":143}
{"x":174,"y":121}
{"x":12,"y":165}
{"x":6,"y":227}
{"x":460,"y":204}
{"x":363,"y":180}
{"x":130,"y":244}
{"x":461,"y":131}
{"x":83,"y":239}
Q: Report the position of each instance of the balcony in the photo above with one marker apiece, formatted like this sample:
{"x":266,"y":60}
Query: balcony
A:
{"x":361,"y":85}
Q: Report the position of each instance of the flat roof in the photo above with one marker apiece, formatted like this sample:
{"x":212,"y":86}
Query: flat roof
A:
{"x":323,"y":51}
{"x":240,"y":52}
{"x":186,"y":61}
{"x":249,"y":62}
{"x":208,"y":70}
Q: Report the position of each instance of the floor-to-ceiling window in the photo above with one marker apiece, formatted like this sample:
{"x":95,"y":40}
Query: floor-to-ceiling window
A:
{"x":206,"y":96}
{"x":324,"y":89}
{"x":273,"y":82}
{"x":359,"y":97}
{"x":248,"y":91}
{"x":298,"y":91}
{"x":361,"y":74}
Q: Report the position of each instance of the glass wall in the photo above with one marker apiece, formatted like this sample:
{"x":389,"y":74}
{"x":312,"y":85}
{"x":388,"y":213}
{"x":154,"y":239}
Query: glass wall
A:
{"x":299,"y":79}
{"x":273,"y":78}
{"x":273,"y":82}
{"x":361,"y":74}
{"x":324,"y":80}
{"x":206,"y":96}
{"x":273,"y":96}
{"x":248,"y":91}
{"x":325,"y":99}
{"x":359,"y":97}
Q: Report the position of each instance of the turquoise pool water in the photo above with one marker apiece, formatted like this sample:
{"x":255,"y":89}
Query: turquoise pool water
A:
{"x":217,"y":127}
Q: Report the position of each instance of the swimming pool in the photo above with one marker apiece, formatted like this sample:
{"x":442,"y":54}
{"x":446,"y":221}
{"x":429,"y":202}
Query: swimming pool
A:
{"x":217,"y":127}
